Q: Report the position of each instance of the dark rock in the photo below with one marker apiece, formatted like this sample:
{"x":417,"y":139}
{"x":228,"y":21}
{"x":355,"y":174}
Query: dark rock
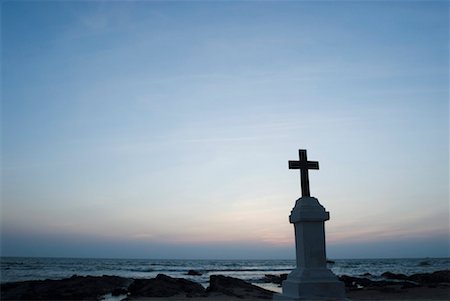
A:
{"x":193,"y":273}
{"x":421,"y":278}
{"x":331,"y":261}
{"x":428,"y":279}
{"x":164,"y":286}
{"x":73,"y":288}
{"x":236,"y":287}
{"x":119,"y":291}
{"x":424,"y":263}
{"x":277,"y":279}
{"x":356,"y":282}
{"x":366,"y":275}
{"x":389,"y":275}
{"x":389,"y":289}
{"x":349,"y":281}
{"x":431,"y":278}
{"x":408,"y":284}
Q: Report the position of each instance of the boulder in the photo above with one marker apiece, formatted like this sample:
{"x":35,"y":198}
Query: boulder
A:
{"x":119,"y":291}
{"x":73,"y":288}
{"x":389,"y":275}
{"x":193,"y":273}
{"x":165,"y":286}
{"x":431,"y":278}
{"x":277,"y":279}
{"x":421,"y":278}
{"x":352,"y":282}
{"x":236,"y":287}
{"x":356,"y":282}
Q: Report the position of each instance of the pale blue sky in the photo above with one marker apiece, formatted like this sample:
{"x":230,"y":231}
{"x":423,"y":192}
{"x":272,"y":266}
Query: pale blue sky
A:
{"x":163,"y":129}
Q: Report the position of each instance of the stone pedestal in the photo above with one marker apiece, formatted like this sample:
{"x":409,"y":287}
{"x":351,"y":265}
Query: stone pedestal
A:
{"x":311,"y":280}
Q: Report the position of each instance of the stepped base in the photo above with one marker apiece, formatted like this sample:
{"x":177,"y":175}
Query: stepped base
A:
{"x":312,"y":285}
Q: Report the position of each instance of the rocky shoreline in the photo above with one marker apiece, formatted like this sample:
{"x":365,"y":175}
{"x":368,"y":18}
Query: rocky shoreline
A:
{"x":163,"y":286}
{"x":387,"y":278}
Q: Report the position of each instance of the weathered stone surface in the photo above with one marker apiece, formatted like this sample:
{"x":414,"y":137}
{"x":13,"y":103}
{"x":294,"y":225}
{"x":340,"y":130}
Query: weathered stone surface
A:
{"x":236,"y":287}
{"x":165,"y":286}
{"x":73,"y":288}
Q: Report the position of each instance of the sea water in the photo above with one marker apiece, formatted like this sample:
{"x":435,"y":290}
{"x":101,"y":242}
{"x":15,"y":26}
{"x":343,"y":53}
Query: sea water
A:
{"x":253,"y":271}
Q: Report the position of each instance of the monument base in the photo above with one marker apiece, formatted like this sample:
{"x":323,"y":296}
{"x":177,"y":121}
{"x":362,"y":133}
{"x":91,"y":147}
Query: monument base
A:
{"x":312,"y":285}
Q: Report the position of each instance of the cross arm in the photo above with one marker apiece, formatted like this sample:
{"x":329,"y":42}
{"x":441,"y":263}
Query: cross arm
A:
{"x":303,"y":165}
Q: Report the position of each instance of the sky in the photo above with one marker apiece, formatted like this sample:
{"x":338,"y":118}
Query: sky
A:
{"x":151,"y":129}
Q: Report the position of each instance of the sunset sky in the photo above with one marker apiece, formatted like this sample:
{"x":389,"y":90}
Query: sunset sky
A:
{"x":163,"y":129}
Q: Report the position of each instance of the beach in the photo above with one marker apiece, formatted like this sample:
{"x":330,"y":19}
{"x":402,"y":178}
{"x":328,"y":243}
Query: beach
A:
{"x":138,"y":279}
{"x":394,"y":294}
{"x":397,"y":294}
{"x":431,"y":286}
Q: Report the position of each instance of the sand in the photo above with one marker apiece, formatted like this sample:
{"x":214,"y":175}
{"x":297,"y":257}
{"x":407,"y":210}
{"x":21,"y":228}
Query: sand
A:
{"x":391,"y":293}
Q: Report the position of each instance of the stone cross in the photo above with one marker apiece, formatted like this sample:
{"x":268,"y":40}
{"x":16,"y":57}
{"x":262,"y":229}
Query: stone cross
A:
{"x":303,"y":164}
{"x":311,"y":279}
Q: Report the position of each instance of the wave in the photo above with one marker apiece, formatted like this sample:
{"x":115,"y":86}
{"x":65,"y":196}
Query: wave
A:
{"x":250,"y":270}
{"x":219,"y":270}
{"x":21,"y":268}
{"x":145,"y":270}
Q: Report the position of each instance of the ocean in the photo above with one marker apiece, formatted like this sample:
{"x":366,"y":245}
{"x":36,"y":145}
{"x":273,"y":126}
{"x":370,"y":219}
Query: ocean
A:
{"x":253,"y":271}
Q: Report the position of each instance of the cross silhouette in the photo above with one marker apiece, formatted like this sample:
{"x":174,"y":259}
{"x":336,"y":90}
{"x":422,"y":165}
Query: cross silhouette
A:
{"x":303,"y":164}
